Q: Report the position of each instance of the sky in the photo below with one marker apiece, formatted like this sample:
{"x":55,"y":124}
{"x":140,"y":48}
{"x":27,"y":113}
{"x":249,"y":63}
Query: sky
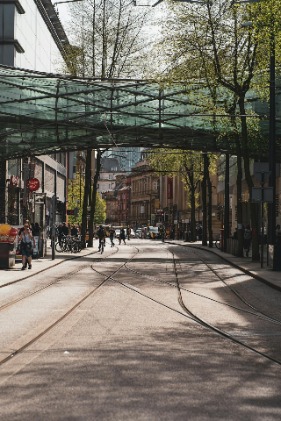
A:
{"x":62,"y":10}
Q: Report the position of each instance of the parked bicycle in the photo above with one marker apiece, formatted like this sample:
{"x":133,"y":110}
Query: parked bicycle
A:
{"x":68,"y":243}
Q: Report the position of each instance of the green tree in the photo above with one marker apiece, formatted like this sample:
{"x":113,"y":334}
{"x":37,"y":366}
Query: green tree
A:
{"x":100,"y":212}
{"x":109,"y":43}
{"x":75,"y":193}
{"x":208,"y":41}
{"x":189,"y":167}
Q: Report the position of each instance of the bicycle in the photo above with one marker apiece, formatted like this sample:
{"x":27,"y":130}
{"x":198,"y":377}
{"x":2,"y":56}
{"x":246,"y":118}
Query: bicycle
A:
{"x":61,"y":244}
{"x":68,"y":243}
{"x":218,"y":244}
{"x":76,"y":245}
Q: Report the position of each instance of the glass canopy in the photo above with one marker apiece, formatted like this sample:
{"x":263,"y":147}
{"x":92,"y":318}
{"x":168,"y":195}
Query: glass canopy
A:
{"x":43,"y":113}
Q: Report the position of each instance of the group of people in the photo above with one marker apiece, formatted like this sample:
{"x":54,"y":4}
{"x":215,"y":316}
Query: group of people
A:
{"x":247,"y":237}
{"x":101,"y":234}
{"x":64,"y":230}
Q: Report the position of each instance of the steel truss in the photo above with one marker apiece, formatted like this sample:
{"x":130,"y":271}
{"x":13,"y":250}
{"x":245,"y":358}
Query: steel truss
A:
{"x":45,"y":113}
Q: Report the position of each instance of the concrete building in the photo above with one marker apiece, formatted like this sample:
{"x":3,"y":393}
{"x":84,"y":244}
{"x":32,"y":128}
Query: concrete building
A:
{"x":32,"y":37}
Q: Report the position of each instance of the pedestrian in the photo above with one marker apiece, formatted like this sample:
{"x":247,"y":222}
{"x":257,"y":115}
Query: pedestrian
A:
{"x":26,"y":222}
{"x":128,"y":233}
{"x":162,"y":232}
{"x":74,"y":231}
{"x":247,"y":239}
{"x":26,"y":246}
{"x":101,"y":235}
{"x":111,"y":236}
{"x":36,"y":232}
{"x":122,"y":236}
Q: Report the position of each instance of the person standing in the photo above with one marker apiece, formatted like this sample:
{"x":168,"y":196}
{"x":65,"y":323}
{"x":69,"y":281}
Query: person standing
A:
{"x":111,"y":236}
{"x":27,"y":243}
{"x":162,"y":232}
{"x":247,"y":239}
{"x":26,"y":222}
{"x":101,"y":235}
{"x":74,"y":231}
{"x":36,"y":232}
{"x":122,"y":236}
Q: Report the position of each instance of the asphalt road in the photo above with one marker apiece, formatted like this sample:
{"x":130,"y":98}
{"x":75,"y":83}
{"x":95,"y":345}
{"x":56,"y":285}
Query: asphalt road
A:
{"x":146,"y":331}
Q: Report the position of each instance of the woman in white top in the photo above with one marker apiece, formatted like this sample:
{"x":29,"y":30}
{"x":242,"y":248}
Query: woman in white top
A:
{"x":27,"y":243}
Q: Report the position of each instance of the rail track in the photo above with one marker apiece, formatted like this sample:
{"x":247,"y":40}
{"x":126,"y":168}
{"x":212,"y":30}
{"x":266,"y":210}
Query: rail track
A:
{"x":177,"y":267}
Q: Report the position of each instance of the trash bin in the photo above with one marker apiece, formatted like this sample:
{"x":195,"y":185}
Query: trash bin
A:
{"x":7,"y":255}
{"x":7,"y":246}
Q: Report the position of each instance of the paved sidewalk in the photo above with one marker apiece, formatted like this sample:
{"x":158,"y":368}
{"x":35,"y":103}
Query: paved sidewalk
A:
{"x":40,"y":265}
{"x":265,"y":274}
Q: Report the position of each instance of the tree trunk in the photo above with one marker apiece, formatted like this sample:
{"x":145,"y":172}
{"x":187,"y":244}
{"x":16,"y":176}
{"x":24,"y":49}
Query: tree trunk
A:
{"x":93,"y":200}
{"x":204,"y":200}
{"x":210,"y":205}
{"x":86,"y":197}
{"x":250,"y":184}
{"x":240,"y":230}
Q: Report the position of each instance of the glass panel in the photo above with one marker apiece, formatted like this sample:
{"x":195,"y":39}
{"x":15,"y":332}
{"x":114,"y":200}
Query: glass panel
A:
{"x":42,"y":113}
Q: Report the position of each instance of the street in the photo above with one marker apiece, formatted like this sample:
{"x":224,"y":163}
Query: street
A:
{"x":145,"y":331}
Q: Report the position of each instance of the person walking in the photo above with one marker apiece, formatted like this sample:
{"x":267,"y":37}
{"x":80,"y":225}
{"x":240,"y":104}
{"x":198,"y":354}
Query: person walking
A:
{"x":247,"y":239}
{"x":122,"y":236}
{"x":36,"y":232}
{"x":162,"y":233}
{"x":101,"y":235}
{"x":111,"y":236}
{"x":26,"y":244}
{"x":74,"y":231}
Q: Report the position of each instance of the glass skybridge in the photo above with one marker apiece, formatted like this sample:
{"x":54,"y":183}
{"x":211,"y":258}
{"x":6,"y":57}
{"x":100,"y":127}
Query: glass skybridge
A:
{"x":45,"y":113}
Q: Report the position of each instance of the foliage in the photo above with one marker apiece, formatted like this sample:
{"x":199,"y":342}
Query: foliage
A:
{"x":75,"y":194}
{"x":100,"y":211}
{"x":75,"y":200}
{"x":188,"y":165}
{"x":112,"y":41}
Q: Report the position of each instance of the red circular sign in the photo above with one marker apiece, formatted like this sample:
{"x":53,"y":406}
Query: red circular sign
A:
{"x":33,"y":184}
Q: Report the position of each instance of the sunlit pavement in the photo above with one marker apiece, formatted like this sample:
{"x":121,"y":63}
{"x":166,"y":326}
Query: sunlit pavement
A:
{"x":264,"y":274}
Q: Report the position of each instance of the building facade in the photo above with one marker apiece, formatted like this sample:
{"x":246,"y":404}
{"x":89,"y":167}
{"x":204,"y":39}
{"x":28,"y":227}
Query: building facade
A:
{"x":32,"y":37}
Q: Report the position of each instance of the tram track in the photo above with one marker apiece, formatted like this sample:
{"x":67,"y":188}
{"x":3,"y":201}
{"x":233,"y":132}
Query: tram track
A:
{"x":217,"y":330}
{"x":68,"y":312}
{"x":255,"y":311}
{"x":55,"y":281}
{"x":190,"y":315}
{"x":186,"y":311}
{"x":32,"y":275}
{"x":204,"y":323}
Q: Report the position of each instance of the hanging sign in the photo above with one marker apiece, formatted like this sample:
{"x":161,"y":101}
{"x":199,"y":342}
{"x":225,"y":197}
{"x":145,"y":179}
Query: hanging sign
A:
{"x":33,"y":184}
